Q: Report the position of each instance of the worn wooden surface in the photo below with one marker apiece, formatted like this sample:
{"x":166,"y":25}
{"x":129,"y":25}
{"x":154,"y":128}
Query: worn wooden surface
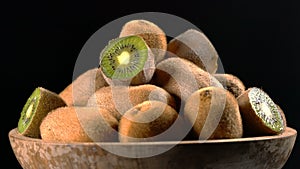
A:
{"x":270,"y":152}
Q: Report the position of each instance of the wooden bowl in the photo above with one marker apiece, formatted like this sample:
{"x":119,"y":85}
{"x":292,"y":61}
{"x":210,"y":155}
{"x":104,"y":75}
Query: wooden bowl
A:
{"x":255,"y":152}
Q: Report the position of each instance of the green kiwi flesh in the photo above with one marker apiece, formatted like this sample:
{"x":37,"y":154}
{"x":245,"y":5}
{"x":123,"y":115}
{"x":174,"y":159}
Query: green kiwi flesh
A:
{"x":37,"y":106}
{"x":260,"y":114}
{"x":127,"y":59}
{"x":154,"y":36}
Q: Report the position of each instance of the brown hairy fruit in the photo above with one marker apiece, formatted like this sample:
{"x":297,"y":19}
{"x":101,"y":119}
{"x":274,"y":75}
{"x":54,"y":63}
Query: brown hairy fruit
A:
{"x":213,"y":113}
{"x":181,"y":77}
{"x":193,"y":45}
{"x":37,"y":106}
{"x":78,"y":92}
{"x":79,"y":124}
{"x":149,"y":121}
{"x":231,"y":82}
{"x":154,"y":36}
{"x":260,"y":114}
{"x":119,"y":99}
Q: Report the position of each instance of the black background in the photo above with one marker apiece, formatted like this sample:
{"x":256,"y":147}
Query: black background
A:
{"x":257,"y":41}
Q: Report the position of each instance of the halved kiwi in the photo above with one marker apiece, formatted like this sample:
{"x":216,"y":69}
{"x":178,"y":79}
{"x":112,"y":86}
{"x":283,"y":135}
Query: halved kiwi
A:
{"x":193,"y":45}
{"x":149,"y":121}
{"x":260,"y":114}
{"x":213,"y":113}
{"x":154,"y":36}
{"x":231,"y":82}
{"x":38,"y":105}
{"x":79,"y":124}
{"x":118,"y":100}
{"x":127,"y":60}
{"x":78,"y":92}
{"x":181,"y":77}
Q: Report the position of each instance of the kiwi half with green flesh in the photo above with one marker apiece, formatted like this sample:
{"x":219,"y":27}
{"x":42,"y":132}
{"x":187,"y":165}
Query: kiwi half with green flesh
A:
{"x":127,"y":60}
{"x":213,"y":113}
{"x":149,"y":121}
{"x":78,"y":92}
{"x":38,"y":105}
{"x":79,"y":124}
{"x":260,"y":114}
{"x":231,"y":82}
{"x":181,"y":77}
{"x":193,"y":45}
{"x":154,"y":36}
{"x":118,"y":100}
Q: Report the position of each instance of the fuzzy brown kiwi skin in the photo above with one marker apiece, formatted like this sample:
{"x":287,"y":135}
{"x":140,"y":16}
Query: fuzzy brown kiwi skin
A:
{"x":181,"y":77}
{"x":194,"y":46}
{"x":79,"y":124}
{"x":231,"y":82}
{"x":145,"y":121}
{"x":253,"y":125}
{"x":48,"y":101}
{"x":137,"y":94}
{"x":78,"y":92}
{"x":197,"y":109}
{"x":154,"y":36}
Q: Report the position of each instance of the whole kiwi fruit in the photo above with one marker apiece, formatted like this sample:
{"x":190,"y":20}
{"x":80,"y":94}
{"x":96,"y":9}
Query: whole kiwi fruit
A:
{"x":79,"y":124}
{"x":150,"y":121}
{"x":78,"y":92}
{"x":194,"y":46}
{"x":261,"y":116}
{"x":231,"y":82}
{"x":181,"y":77}
{"x":213,"y":113}
{"x":127,"y":61}
{"x":119,"y":99}
{"x":154,"y":36}
{"x":37,"y":106}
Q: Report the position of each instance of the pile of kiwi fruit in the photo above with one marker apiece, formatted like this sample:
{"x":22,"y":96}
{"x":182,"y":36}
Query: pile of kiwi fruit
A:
{"x":148,"y":88}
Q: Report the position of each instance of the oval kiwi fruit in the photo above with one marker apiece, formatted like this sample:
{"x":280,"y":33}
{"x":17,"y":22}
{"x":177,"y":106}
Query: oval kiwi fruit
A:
{"x":127,"y":60}
{"x":119,"y":99}
{"x":149,"y":121}
{"x":181,"y":77}
{"x":79,"y":124}
{"x":193,"y":45}
{"x":37,"y":106}
{"x":78,"y":92}
{"x":260,"y":114}
{"x":154,"y":36}
{"x":213,"y":113}
{"x":231,"y":82}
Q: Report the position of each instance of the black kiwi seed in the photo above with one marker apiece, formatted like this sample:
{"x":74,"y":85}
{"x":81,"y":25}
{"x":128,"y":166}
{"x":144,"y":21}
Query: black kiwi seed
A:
{"x":127,"y":60}
{"x":38,"y":105}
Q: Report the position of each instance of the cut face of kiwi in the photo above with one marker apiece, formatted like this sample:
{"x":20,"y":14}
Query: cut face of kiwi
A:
{"x":127,"y":59}
{"x":154,"y":36}
{"x":260,"y":114}
{"x":40,"y":102}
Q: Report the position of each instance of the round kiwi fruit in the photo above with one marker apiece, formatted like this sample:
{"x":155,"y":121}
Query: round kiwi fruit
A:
{"x":154,"y":36}
{"x":193,"y":45}
{"x":37,"y":106}
{"x":260,"y":114}
{"x":231,"y":82}
{"x":181,"y":77}
{"x":127,"y":60}
{"x":79,"y":124}
{"x":148,"y":121}
{"x":78,"y":92}
{"x":120,"y":99}
{"x":213,"y":113}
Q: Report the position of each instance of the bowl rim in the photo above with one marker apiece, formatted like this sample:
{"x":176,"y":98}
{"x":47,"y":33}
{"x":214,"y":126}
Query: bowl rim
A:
{"x":289,"y":132}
